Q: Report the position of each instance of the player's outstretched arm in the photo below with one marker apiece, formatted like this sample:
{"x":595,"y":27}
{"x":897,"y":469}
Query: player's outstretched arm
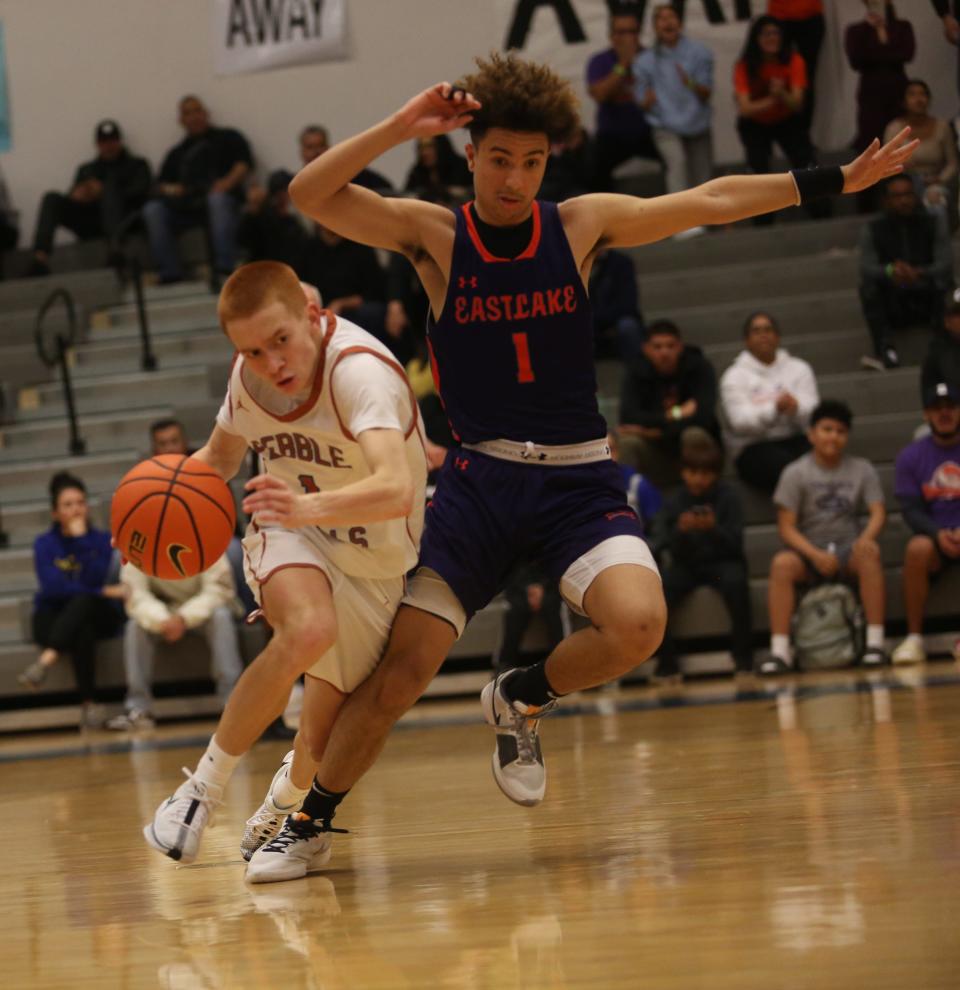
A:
{"x":224,"y":452}
{"x":323,"y":188}
{"x":386,"y":493}
{"x":626,"y":221}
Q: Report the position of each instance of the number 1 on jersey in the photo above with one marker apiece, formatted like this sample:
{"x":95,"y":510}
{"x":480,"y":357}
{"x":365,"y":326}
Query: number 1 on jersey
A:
{"x":524,"y":368}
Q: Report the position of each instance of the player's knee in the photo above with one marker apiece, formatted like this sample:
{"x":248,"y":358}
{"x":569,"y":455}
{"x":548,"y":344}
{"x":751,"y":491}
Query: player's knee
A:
{"x":635,"y":635}
{"x":302,"y":642}
{"x":400,"y":680}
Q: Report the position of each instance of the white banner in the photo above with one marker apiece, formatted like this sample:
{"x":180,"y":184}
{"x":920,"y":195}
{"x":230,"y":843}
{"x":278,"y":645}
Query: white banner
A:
{"x":250,"y":35}
{"x":565,"y":33}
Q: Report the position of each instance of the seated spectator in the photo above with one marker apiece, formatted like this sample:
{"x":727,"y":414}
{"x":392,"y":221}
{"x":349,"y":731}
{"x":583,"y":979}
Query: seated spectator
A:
{"x":529,"y":592}
{"x":271,"y":228}
{"x":570,"y":168}
{"x":314,"y":141}
{"x":9,"y":222}
{"x":674,"y":83}
{"x":439,"y":174}
{"x":927,"y":486}
{"x":436,"y":426}
{"x":700,"y":529}
{"x":104,"y":191}
{"x":201,"y":182}
{"x":621,"y":131}
{"x":934,"y":163}
{"x":642,"y":495}
{"x":942,"y":363}
{"x":166,"y":610}
{"x":168,"y":436}
{"x":667,"y":402}
{"x":770,"y":85}
{"x":820,"y":499}
{"x":906,"y":267}
{"x":617,"y":323}
{"x":351,"y":282}
{"x":75,"y":605}
{"x":767,"y":397}
{"x":405,"y":323}
{"x":878,"y":48}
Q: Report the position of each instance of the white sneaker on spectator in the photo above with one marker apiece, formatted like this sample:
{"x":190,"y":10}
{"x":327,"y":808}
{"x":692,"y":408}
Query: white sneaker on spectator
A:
{"x":177,"y":826}
{"x":267,"y":820}
{"x":910,"y":651}
{"x":136,"y":718}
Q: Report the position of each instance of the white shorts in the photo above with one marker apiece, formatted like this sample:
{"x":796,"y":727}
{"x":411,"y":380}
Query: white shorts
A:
{"x":428,"y":591}
{"x":365,"y":607}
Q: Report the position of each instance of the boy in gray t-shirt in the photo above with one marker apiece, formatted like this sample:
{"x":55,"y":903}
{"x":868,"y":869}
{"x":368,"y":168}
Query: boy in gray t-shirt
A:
{"x":820,"y":500}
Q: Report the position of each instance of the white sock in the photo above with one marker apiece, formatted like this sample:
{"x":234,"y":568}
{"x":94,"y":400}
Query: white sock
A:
{"x":915,"y":638}
{"x":216,"y":766}
{"x":875,"y":637}
{"x":286,"y":795}
{"x":780,"y":647}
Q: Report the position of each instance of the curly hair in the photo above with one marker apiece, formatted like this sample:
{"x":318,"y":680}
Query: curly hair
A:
{"x":521,"y":96}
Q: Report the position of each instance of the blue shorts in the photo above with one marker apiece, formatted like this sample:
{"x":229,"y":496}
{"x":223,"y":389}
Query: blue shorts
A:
{"x":488,"y":514}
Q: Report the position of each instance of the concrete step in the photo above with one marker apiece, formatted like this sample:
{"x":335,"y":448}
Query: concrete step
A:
{"x":91,"y":289}
{"x":720,"y":246}
{"x":23,"y":521}
{"x":170,"y":350}
{"x":28,"y":479}
{"x":15,"y":619}
{"x":161,"y":310}
{"x":102,"y":433}
{"x":17,"y":575}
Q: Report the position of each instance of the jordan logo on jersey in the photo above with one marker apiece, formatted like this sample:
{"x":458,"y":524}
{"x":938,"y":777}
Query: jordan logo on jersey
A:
{"x":514,"y":307}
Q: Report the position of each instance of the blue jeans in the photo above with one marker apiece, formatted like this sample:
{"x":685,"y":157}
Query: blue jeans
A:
{"x":164,"y":222}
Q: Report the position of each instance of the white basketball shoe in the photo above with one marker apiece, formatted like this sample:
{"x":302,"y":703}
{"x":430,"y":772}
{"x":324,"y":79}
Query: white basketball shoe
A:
{"x":301,"y":845}
{"x":178,"y":824}
{"x":517,"y":760}
{"x":267,"y":820}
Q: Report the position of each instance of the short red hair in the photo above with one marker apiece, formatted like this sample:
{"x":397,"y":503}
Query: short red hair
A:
{"x":252,"y":287}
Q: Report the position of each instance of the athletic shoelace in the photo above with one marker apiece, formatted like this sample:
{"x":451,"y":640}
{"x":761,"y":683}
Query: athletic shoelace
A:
{"x":202,"y":794}
{"x":525,"y":726}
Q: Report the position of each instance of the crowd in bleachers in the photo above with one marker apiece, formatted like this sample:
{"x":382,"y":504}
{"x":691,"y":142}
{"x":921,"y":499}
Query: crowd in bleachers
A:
{"x":679,"y":421}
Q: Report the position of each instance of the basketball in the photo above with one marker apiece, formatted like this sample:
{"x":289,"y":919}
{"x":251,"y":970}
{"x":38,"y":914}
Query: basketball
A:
{"x":172,"y":516}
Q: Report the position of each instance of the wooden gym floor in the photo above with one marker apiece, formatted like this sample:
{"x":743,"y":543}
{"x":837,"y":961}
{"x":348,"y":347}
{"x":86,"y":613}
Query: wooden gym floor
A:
{"x":799,"y":835}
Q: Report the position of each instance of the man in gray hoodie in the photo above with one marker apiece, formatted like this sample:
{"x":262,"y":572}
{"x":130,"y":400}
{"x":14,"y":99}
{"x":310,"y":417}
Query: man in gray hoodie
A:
{"x":767,"y":397}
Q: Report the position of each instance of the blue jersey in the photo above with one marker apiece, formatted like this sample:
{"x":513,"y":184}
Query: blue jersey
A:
{"x":512,"y":352}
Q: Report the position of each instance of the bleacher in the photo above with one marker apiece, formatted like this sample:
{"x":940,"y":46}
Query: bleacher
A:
{"x":804,"y":273}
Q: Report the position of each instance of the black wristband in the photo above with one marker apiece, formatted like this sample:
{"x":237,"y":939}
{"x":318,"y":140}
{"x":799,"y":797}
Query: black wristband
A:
{"x":818,"y":182}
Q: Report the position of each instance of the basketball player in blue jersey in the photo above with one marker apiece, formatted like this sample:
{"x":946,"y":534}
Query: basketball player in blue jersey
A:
{"x":512,"y":349}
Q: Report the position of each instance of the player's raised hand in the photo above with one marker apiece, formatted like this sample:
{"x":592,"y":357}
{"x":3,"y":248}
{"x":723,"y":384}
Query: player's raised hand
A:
{"x":876,"y":163}
{"x":437,"y":110}
{"x":273,"y":503}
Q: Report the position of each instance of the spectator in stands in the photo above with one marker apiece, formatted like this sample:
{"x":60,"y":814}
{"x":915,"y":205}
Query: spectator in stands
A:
{"x":201,"y":181}
{"x":942,"y":363}
{"x":438,"y":174}
{"x":905,"y":269}
{"x":9,"y":222}
{"x":770,"y":84}
{"x":804,"y":28}
{"x":667,"y":402}
{"x":529,"y":592}
{"x":934,"y":163}
{"x":314,"y":141}
{"x":700,"y":529}
{"x":949,"y":12}
{"x":820,"y":499}
{"x":271,"y":228}
{"x":767,"y":397}
{"x":104,"y":191}
{"x":674,"y":83}
{"x":405,"y":322}
{"x":927,"y":486}
{"x":622,"y":131}
{"x":878,"y":48}
{"x":642,"y":495}
{"x":571,"y":168}
{"x":168,"y":436}
{"x":617,"y":323}
{"x":435,"y":423}
{"x":166,"y":610}
{"x":349,"y":277}
{"x":76,"y":603}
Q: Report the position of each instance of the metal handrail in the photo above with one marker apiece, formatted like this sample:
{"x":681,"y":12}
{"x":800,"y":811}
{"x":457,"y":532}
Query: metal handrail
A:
{"x":60,"y":356}
{"x":128,"y":262}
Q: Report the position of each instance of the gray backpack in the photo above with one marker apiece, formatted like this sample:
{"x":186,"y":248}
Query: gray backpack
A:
{"x":828,"y":628}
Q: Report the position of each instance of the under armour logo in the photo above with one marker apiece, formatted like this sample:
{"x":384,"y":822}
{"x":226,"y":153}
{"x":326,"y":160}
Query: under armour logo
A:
{"x":463,"y":281}
{"x":460,"y":463}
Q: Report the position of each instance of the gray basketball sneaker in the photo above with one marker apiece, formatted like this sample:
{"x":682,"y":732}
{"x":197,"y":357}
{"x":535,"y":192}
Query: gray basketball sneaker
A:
{"x":267,"y":820}
{"x":178,"y":825}
{"x":517,"y":760}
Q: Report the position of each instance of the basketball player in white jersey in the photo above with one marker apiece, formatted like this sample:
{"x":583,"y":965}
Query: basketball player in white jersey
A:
{"x":337,"y":518}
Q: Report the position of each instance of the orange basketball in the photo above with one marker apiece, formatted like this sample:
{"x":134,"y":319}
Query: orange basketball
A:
{"x":172,"y":516}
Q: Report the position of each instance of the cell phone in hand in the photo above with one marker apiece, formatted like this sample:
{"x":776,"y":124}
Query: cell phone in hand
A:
{"x":877,"y":8}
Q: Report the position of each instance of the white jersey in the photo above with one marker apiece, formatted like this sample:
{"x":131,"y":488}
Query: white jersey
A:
{"x":312,"y":445}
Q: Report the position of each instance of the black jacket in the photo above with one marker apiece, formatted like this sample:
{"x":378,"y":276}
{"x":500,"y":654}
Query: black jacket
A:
{"x":645,"y":397}
{"x":127,"y":176}
{"x":199,"y":160}
{"x":723,"y":542}
{"x":942,"y":363}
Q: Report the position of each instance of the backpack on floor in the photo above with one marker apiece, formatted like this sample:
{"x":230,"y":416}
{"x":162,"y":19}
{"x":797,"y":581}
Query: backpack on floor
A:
{"x":828,"y":628}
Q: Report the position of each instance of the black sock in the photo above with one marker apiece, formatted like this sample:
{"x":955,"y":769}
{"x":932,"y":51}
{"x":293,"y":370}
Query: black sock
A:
{"x":529,"y":685}
{"x":321,"y":804}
